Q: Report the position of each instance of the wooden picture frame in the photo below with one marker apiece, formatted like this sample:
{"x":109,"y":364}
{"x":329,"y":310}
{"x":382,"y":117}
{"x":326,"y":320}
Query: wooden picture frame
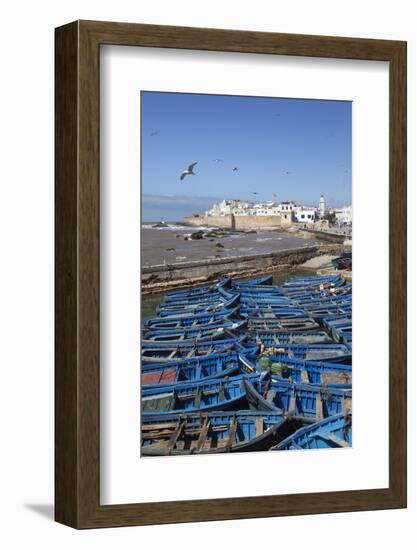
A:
{"x":77,"y":372}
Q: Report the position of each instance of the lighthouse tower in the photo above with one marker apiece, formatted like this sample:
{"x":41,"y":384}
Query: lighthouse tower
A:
{"x":322,"y":206}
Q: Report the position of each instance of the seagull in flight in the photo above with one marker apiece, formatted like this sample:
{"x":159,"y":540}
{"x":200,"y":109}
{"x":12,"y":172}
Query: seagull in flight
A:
{"x":235,"y":169}
{"x":217,"y":160}
{"x":155,"y":133}
{"x":255,"y":193}
{"x":287,"y":172}
{"x":188,"y":171}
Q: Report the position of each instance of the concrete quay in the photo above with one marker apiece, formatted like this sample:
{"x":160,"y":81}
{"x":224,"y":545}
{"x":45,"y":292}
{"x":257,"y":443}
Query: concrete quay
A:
{"x":160,"y":278}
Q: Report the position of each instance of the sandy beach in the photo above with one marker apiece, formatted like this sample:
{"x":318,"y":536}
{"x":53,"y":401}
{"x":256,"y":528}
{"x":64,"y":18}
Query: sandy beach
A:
{"x":168,"y":244}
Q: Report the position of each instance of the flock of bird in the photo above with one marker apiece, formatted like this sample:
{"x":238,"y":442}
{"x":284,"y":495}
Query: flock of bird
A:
{"x":190,"y":170}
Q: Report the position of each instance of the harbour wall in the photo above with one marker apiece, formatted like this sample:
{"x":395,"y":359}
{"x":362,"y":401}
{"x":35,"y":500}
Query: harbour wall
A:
{"x":327,"y":235}
{"x":163,"y":277}
{"x":224,"y":222}
{"x":238,"y":223}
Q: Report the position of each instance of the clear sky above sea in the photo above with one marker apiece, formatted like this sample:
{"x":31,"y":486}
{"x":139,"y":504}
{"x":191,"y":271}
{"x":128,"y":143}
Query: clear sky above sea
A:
{"x":284,"y":149}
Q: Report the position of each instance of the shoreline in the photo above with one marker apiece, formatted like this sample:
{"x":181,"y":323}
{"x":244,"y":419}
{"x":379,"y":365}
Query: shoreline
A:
{"x":162,"y":278}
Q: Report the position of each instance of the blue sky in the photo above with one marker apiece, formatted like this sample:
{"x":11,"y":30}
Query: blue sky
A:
{"x":263,"y":137}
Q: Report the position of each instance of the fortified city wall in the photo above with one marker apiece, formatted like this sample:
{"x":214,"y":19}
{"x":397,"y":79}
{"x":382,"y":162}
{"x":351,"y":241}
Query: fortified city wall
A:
{"x":239,"y":223}
{"x":257,"y":222}
{"x":224,"y":222}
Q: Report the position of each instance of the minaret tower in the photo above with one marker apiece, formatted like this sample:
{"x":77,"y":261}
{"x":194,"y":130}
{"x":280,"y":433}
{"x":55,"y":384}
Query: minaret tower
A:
{"x":322,"y":206}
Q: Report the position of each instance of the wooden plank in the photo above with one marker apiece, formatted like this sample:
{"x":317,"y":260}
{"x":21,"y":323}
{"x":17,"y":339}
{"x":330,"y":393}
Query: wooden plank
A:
{"x":183,"y":396}
{"x":337,"y":440}
{"x":291,"y":408}
{"x":197,"y":400}
{"x":232,"y":433}
{"x":347,"y":403}
{"x":270,"y":396}
{"x":175,"y":435}
{"x":259,"y":425}
{"x":319,"y":406}
{"x":203,"y":435}
{"x":159,"y":426}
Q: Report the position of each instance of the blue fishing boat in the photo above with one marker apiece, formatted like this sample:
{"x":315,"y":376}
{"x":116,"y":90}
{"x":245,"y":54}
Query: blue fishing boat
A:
{"x":320,"y":352}
{"x":346,"y":338}
{"x":295,"y":324}
{"x":200,"y":300}
{"x":302,"y":372}
{"x":198,"y":291}
{"x":190,"y":335}
{"x":334,"y":432}
{"x":218,"y":394}
{"x":220,"y":339}
{"x":322,"y":289}
{"x":271,"y":338}
{"x":340,"y":326}
{"x":217,"y":432}
{"x":298,"y":399}
{"x":264,"y":301}
{"x":322,"y":312}
{"x":194,"y":320}
{"x":311,"y":352}
{"x":195,"y":369}
{"x":271,"y":313}
{"x":266,"y":280}
{"x":314,"y":280}
{"x":314,"y":301}
{"x":168,"y":352}
{"x":251,"y":300}
{"x":199,"y":307}
{"x":260,"y":291}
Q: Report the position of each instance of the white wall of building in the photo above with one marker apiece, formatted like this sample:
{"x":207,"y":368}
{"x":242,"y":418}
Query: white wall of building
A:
{"x":344,"y":215}
{"x":305,"y":215}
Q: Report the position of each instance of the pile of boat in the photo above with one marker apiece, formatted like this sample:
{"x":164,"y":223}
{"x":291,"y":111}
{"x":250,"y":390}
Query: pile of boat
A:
{"x":245,"y":365}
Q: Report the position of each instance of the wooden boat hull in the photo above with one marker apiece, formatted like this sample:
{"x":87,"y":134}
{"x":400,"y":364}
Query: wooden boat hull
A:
{"x":218,"y":305}
{"x":276,"y":338}
{"x":191,"y":370}
{"x":305,"y":372}
{"x":331,"y":433}
{"x":222,"y":432}
{"x":272,"y":314}
{"x":193,"y":320}
{"x":203,"y":396}
{"x":297,"y":324}
{"x":200,"y":334}
{"x":312,"y":352}
{"x":265,"y":280}
{"x":299,"y":399}
{"x":173,"y":354}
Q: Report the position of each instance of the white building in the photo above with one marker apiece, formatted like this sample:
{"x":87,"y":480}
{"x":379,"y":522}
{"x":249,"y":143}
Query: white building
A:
{"x":244,"y":208}
{"x":268,"y":208}
{"x":287,"y":210}
{"x":286,"y":206}
{"x":227,"y":207}
{"x":305,"y":214}
{"x":344,"y":215}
